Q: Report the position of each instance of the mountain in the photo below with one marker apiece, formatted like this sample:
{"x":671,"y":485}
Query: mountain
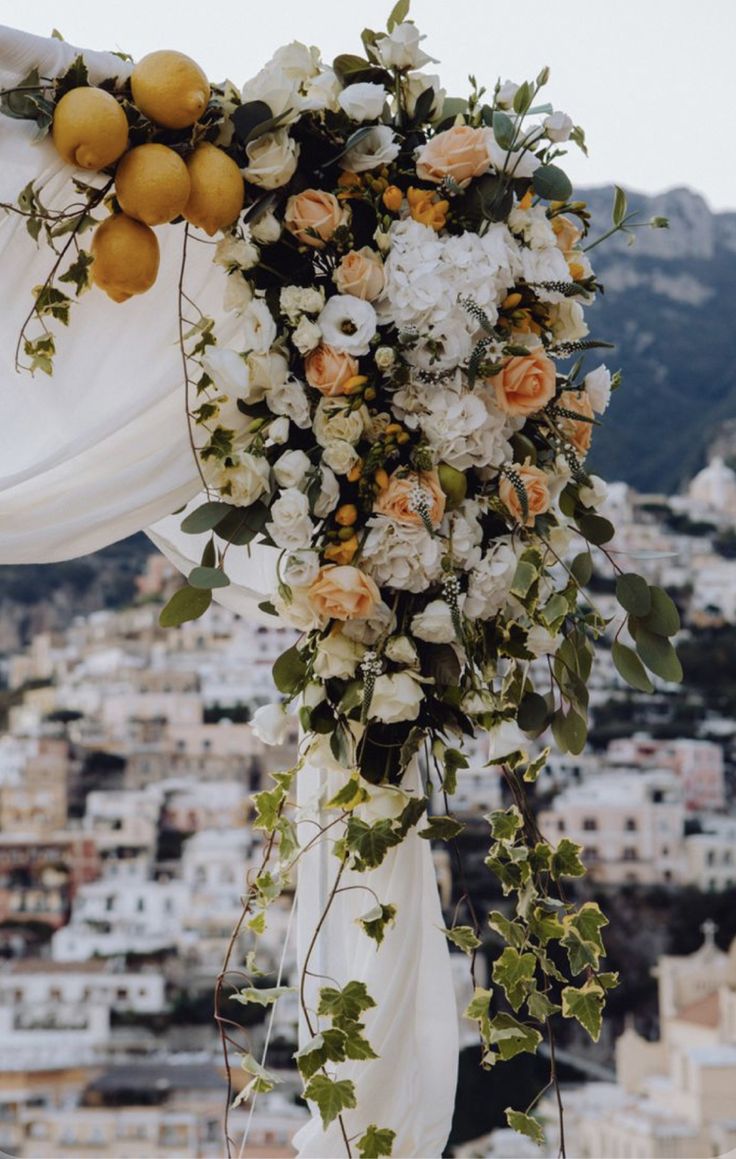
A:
{"x":668,"y":307}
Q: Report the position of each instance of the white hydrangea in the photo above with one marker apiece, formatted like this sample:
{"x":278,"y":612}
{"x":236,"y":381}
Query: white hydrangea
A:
{"x":464,"y":428}
{"x":489,"y":583}
{"x":533,"y":225}
{"x":401,"y":555}
{"x":466,"y":533}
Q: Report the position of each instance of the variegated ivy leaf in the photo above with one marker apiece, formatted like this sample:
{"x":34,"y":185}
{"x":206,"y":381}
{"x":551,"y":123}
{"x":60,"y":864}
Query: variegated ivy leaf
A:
{"x":376,"y":1142}
{"x":331,"y":1096}
{"x":505,"y":823}
{"x":525,"y":1125}
{"x":463,"y":937}
{"x":350,"y":1002}
{"x":254,"y":995}
{"x":352,"y":794}
{"x":514,"y":972}
{"x":261,"y":1082}
{"x":512,"y":1037}
{"x":268,"y":805}
{"x":375,"y":921}
{"x":586,"y":1006}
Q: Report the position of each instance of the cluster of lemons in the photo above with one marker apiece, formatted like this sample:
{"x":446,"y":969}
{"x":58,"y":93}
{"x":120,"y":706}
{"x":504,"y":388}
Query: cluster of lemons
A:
{"x":153,"y":184}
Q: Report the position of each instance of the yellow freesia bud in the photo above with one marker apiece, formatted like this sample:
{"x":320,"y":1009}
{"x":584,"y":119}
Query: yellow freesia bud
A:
{"x":355,"y":472}
{"x":392,"y":198}
{"x":354,"y":384}
{"x":342,"y":553}
{"x":577,"y":271}
{"x":511,"y":302}
{"x":426,"y":209}
{"x":381,"y":478}
{"x":526,"y":201}
{"x":346,"y":515}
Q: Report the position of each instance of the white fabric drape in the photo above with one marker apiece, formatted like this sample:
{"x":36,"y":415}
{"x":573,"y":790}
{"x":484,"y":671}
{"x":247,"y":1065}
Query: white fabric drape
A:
{"x":101,"y":450}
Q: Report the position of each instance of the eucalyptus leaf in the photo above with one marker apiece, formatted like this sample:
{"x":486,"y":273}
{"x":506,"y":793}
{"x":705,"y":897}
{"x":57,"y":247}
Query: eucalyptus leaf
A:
{"x":187,"y":603}
{"x":659,"y":655}
{"x":582,"y":568}
{"x":633,"y":594}
{"x":204,"y":518}
{"x":208,"y":577}
{"x":629,"y":666}
{"x":551,"y":183}
{"x":662,"y":618}
{"x":596,"y":529}
{"x":289,"y":671}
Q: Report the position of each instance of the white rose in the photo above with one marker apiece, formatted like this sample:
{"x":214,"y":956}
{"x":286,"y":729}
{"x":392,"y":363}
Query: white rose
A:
{"x":278,"y":432}
{"x":290,"y":525}
{"x":300,"y":568}
{"x":258,"y":328}
{"x":363,"y":102}
{"x":290,"y":468}
{"x":307,"y":335}
{"x":340,"y":456}
{"x":379,"y":147}
{"x":595,"y":494}
{"x":238,"y":294}
{"x":558,"y":126}
{"x":400,"y":48}
{"x":329,"y":494}
{"x":278,"y":90}
{"x":227,"y":369}
{"x":417,"y":83}
{"x":434,"y":624}
{"x":297,"y":611}
{"x":401,"y":650}
{"x":271,"y":723}
{"x":333,"y":420}
{"x":289,"y":398}
{"x":272,"y":159}
{"x":568,"y":321}
{"x":268,"y":370}
{"x":236,"y":252}
{"x":395,"y":698}
{"x":348,"y":323}
{"x":266,"y":229}
{"x":297,"y":300}
{"x":541,"y":642}
{"x":337,"y":657}
{"x":243,"y":483}
{"x":598,"y":386}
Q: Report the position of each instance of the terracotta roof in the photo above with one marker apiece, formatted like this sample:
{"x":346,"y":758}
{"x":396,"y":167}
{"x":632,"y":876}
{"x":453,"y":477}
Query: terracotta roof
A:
{"x":704,"y":1012}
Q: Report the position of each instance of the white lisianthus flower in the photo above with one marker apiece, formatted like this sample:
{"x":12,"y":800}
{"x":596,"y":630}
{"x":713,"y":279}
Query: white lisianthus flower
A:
{"x":598,"y":387}
{"x":334,"y":420}
{"x":258,"y":329}
{"x":520,"y":162}
{"x":266,"y":229}
{"x":278,"y":432}
{"x":568,"y":321}
{"x":396,"y":697}
{"x":307,"y":335}
{"x":363,"y":102}
{"x":272,"y":159}
{"x":243,"y":483}
{"x":290,"y":525}
{"x":329,"y":494}
{"x":379,"y":147}
{"x":337,"y":657}
{"x":300,"y":568}
{"x":541,"y":642}
{"x":434,"y":624}
{"x":341,"y":456}
{"x":289,"y":398}
{"x":290,"y":468}
{"x":401,"y":650}
{"x":238,"y":294}
{"x":271,"y":723}
{"x":417,"y":83}
{"x":278,"y":90}
{"x":322,"y":91}
{"x":236,"y":252}
{"x":401,"y":555}
{"x":348,"y":323}
{"x":400,"y":48}
{"x":227,"y":369}
{"x":299,"y":61}
{"x":506,"y":93}
{"x":490,"y":582}
{"x":297,"y":300}
{"x":558,"y":126}
{"x":596,"y":494}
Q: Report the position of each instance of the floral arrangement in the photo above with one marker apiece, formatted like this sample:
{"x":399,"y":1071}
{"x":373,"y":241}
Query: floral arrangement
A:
{"x":405,"y":419}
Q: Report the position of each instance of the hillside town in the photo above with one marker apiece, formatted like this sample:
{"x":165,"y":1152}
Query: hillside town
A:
{"x":127,"y":762}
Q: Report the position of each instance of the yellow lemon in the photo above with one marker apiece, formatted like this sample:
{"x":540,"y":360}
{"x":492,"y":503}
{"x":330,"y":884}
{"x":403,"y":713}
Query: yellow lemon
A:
{"x":170,"y":89}
{"x":216,"y":198}
{"x":89,"y":128}
{"x":152,"y":184}
{"x":125,"y":256}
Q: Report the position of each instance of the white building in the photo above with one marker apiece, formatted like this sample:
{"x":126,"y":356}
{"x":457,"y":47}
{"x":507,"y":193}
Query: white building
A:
{"x":122,"y":916}
{"x":711,"y":854}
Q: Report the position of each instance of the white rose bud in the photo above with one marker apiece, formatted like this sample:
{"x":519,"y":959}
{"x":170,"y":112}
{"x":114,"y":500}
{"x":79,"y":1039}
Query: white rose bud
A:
{"x":340,"y":456}
{"x":558,"y":126}
{"x":595,"y":494}
{"x":395,"y":698}
{"x":300,"y":568}
{"x":400,"y":49}
{"x":272,"y":159}
{"x":290,"y":525}
{"x":235,"y":252}
{"x":337,"y":657}
{"x":278,"y":432}
{"x":401,"y":650}
{"x":598,"y":387}
{"x":307,"y":335}
{"x":384,"y":358}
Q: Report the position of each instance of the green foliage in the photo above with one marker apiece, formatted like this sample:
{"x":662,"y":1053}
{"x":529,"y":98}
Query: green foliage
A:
{"x":585,"y":1004}
{"x":525,"y":1125}
{"x":514,"y":971}
{"x":331,"y":1096}
{"x":348,"y":1003}
{"x":206,"y":517}
{"x":633,"y":594}
{"x":207,"y":578}
{"x":464,"y":937}
{"x":290,"y":671}
{"x":441,"y":828}
{"x":261,"y":997}
{"x":376,"y":1142}
{"x":551,"y":183}
{"x":630,"y":667}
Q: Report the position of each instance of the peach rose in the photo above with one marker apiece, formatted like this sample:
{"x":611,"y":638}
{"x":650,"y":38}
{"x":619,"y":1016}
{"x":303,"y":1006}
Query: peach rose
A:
{"x":395,"y":499}
{"x":567,"y":233}
{"x":328,"y":369}
{"x":313,"y":216}
{"x":537,"y":493}
{"x":360,"y":273}
{"x":343,"y":593}
{"x":460,"y":152}
{"x":578,"y":432}
{"x":525,"y":384}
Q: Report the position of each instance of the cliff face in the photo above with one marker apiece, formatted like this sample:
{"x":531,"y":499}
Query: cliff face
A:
{"x":668,"y":306}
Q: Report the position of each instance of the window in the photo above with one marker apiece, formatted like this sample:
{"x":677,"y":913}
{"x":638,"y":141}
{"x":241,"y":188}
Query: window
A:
{"x":710,"y":857}
{"x":140,"y":905}
{"x":590,"y":823}
{"x":631,"y":825}
{"x":629,"y":853}
{"x":561,"y":824}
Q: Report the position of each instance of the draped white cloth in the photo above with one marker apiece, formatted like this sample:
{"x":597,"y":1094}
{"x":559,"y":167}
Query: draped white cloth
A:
{"x":101,"y":450}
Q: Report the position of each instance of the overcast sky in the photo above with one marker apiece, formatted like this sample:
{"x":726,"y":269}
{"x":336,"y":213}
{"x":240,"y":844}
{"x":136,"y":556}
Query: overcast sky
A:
{"x":652,"y":82}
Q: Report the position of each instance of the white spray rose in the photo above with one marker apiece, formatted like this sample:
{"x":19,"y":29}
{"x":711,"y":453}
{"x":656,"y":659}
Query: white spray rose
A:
{"x":348,"y":323}
{"x":300,"y":568}
{"x":334,"y":420}
{"x":236,"y":252}
{"x":290,"y":525}
{"x":289,"y":398}
{"x":297,"y":611}
{"x":272,"y":159}
{"x":596,"y":494}
{"x":395,"y":698}
{"x":267,"y":229}
{"x":568,"y":321}
{"x":337,"y":657}
{"x":290,"y":468}
{"x":243,"y":483}
{"x":558,"y":126}
{"x":271,"y":723}
{"x":307,"y":335}
{"x":400,"y":48}
{"x":340,"y":455}
{"x":401,"y":650}
{"x":417,"y":83}
{"x":278,"y":432}
{"x":362,"y":102}
{"x":297,"y":300}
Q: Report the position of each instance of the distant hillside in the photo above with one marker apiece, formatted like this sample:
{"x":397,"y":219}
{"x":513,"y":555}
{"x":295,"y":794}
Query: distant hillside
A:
{"x":668,"y":306}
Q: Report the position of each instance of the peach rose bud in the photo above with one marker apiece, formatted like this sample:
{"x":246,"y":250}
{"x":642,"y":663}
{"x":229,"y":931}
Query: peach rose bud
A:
{"x":460,"y":152}
{"x":329,"y":370}
{"x":525,"y":384}
{"x":397,"y":499}
{"x":534,"y":482}
{"x":567,"y":234}
{"x":578,"y":432}
{"x":313,"y":216}
{"x":343,"y":593}
{"x":360,"y":273}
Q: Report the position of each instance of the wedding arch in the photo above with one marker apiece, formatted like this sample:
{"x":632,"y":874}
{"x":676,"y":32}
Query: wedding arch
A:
{"x":336,"y":323}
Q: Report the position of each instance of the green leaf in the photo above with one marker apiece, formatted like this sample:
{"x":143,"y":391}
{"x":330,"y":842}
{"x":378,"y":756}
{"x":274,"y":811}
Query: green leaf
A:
{"x":251,"y":119}
{"x":525,"y":1125}
{"x":575,"y":732}
{"x":522,"y":97}
{"x":566,"y":860}
{"x":596,"y":529}
{"x":582,"y":568}
{"x":78,"y":274}
{"x":357,"y":1045}
{"x":398,"y":14}
{"x":464,"y":937}
{"x":204,"y":518}
{"x":632,"y":592}
{"x":375,"y":921}
{"x":586,"y":1006}
{"x":252,"y":995}
{"x":514,"y":971}
{"x":352,"y":794}
{"x":513,"y":1037}
{"x":551,"y":183}
{"x":208,"y":577}
{"x":262,"y":1081}
{"x":453,"y":760}
{"x":377,"y":1141}
{"x":331,"y":1096}
{"x":370,"y":843}
{"x":630,"y":667}
{"x":534,"y":768}
{"x":659,"y":655}
{"x":268,"y":805}
{"x":524,"y":576}
{"x":290,"y":671}
{"x":663,"y":617}
{"x":619,"y":206}
{"x":348,"y":1003}
{"x":186,"y":604}
{"x":503,"y":129}
{"x":441,"y":829}
{"x":241,"y":524}
{"x":505,"y":823}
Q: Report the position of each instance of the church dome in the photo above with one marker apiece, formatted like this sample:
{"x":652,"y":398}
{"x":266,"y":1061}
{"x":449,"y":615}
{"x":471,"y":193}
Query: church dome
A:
{"x":715,"y":487}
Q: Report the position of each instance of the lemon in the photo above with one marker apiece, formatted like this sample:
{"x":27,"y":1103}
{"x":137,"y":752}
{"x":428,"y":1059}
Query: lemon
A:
{"x":216,"y":198}
{"x":152,"y":184}
{"x":170,"y":89}
{"x":125,"y":256}
{"x":89,"y":128}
